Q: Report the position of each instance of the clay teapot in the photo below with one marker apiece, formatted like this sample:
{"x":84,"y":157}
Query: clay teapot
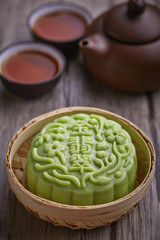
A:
{"x":122,"y":47}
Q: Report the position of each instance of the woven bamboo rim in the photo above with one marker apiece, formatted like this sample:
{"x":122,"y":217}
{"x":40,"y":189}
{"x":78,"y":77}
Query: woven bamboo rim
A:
{"x":76,"y":216}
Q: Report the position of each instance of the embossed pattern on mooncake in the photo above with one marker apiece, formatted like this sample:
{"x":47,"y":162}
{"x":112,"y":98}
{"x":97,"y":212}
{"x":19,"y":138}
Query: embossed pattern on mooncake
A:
{"x":82,"y":160}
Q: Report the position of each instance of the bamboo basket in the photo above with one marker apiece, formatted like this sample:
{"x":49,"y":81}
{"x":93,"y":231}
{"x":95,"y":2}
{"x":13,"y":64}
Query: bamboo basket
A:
{"x":70,"y":216}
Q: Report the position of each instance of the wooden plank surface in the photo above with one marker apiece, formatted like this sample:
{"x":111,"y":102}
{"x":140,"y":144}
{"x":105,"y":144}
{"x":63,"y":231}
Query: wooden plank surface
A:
{"x":76,"y":88}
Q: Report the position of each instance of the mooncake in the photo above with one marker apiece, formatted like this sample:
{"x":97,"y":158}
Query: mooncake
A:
{"x":82,"y":159}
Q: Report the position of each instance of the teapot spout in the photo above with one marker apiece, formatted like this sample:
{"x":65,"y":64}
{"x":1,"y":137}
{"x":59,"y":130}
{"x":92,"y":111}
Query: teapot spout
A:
{"x":94,"y":44}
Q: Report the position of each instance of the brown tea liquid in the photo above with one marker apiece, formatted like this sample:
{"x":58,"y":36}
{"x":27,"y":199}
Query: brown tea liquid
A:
{"x":61,"y":26}
{"x":30,"y":67}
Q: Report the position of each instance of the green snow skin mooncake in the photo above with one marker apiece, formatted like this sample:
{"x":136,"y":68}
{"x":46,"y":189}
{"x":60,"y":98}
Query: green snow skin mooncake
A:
{"x":83,"y":159}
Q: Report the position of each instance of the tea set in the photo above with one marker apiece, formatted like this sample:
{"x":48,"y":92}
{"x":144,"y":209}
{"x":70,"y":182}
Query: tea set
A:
{"x":121,"y":47}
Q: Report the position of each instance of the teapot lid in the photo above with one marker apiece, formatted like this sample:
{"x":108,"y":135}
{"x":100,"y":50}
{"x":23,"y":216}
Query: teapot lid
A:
{"x":134,"y":22}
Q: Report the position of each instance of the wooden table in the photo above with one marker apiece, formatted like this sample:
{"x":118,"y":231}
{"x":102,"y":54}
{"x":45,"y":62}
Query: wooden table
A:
{"x":76,"y":88}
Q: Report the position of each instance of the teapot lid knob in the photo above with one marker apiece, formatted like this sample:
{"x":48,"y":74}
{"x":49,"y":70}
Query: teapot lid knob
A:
{"x":135,"y":7}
